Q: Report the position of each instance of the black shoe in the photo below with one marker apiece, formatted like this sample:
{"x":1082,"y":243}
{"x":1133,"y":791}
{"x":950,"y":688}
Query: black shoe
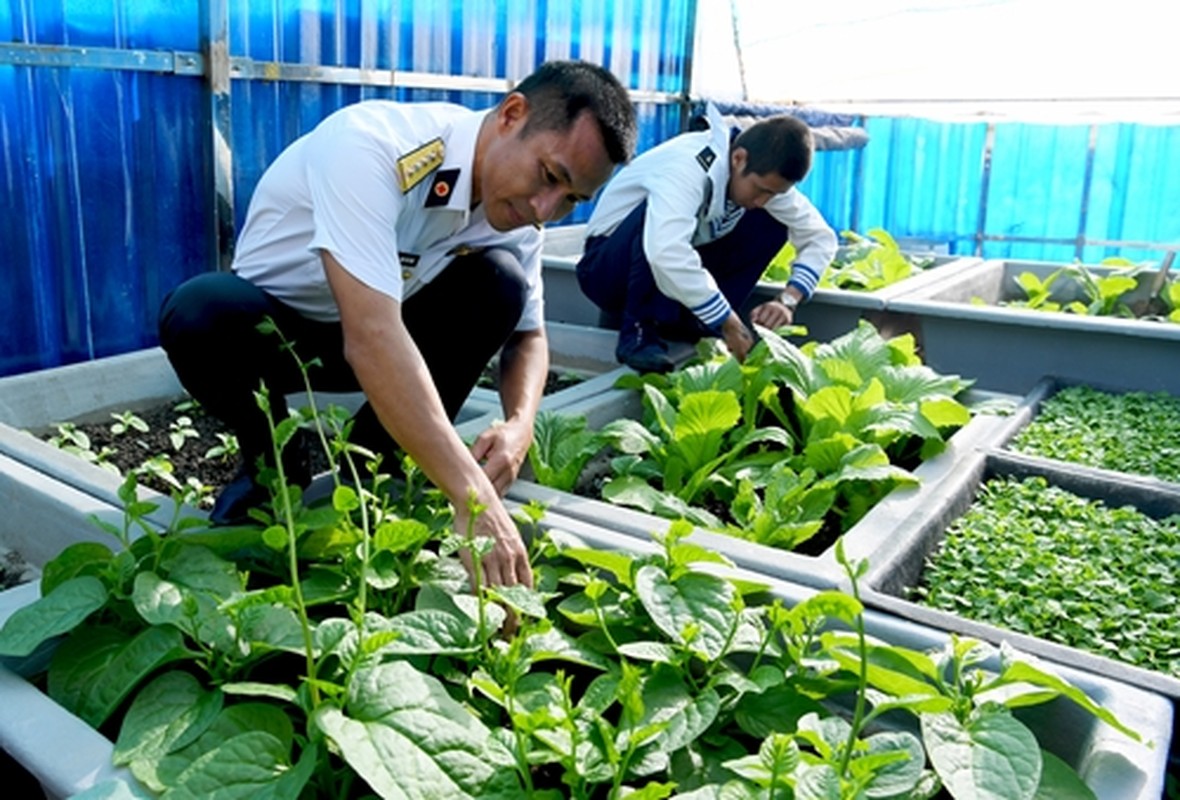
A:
{"x":245,"y":492}
{"x":641,"y":350}
{"x":235,"y":500}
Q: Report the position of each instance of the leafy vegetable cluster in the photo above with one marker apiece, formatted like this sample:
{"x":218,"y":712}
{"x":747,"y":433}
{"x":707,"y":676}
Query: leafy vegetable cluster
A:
{"x":1129,"y":432}
{"x":1103,"y":295}
{"x":863,"y":264}
{"x":1036,"y":559}
{"x":791,"y":441}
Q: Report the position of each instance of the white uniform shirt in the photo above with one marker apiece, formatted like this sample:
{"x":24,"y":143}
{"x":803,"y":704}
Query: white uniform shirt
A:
{"x":337,"y":188}
{"x":684,"y":181}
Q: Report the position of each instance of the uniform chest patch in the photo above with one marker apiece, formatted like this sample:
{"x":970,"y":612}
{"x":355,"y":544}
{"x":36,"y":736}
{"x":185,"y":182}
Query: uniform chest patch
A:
{"x":414,"y":166}
{"x":440,"y":190}
{"x":706,"y":158}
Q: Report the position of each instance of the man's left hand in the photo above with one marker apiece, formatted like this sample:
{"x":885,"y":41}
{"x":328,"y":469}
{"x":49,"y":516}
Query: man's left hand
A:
{"x":501,"y":450}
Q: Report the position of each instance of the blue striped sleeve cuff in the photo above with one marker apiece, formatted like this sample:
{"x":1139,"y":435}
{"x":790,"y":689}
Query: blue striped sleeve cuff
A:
{"x":803,"y":278}
{"x":713,"y":311}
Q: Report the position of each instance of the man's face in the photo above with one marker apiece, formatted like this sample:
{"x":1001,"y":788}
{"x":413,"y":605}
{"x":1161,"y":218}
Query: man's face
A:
{"x":537,"y":179}
{"x":752,"y":190}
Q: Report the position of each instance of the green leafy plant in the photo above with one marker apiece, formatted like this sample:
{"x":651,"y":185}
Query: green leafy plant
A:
{"x":793,"y":440}
{"x":181,"y":430}
{"x":871,"y":262}
{"x":1128,"y":432}
{"x":76,"y":442}
{"x":1034,"y":558}
{"x":561,"y":448}
{"x":341,"y":651}
{"x":226,"y":449}
{"x":126,"y":421}
{"x":1104,"y":294}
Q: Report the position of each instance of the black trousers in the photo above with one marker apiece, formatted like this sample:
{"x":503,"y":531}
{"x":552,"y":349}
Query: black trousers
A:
{"x":208,"y":328}
{"x":614,"y":271}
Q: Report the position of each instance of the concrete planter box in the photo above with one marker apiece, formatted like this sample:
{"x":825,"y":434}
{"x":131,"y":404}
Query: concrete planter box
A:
{"x":889,"y":578}
{"x":36,"y":731}
{"x":1031,"y":406}
{"x":42,"y":517}
{"x":833,"y":312}
{"x":873,"y":537}
{"x":828,"y":314}
{"x":1010,"y":349}
{"x":91,"y":390}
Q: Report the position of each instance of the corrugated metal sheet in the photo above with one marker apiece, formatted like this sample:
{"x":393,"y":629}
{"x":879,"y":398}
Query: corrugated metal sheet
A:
{"x":107,"y":178}
{"x":1009,"y":190}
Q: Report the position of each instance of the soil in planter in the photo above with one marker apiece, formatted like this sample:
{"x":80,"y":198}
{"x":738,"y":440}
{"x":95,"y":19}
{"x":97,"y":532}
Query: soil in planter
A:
{"x":128,"y":450}
{"x":555,"y":381}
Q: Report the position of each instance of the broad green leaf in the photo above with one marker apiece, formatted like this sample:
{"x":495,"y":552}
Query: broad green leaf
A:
{"x":233,"y":721}
{"x":993,"y":757}
{"x":431,"y":632}
{"x":249,"y":766}
{"x":404,"y":735}
{"x":945,"y":413}
{"x":271,"y":627}
{"x":553,"y":644}
{"x":703,"y":420}
{"x":829,"y":408}
{"x":825,"y":455}
{"x":778,"y":709}
{"x":669,"y":704}
{"x":819,"y":782}
{"x":201,"y":569}
{"x":617,"y":563}
{"x":521,"y":599}
{"x":77,"y":559}
{"x":400,"y":535}
{"x":917,"y":384}
{"x":629,"y":436}
{"x":1059,"y":781}
{"x":98,"y":666}
{"x":897,"y":777}
{"x":195,"y":612}
{"x":1023,"y":671}
{"x":695,"y":610}
{"x":634,"y":492}
{"x":59,"y":612}
{"x":169,"y":713}
{"x":657,"y":652}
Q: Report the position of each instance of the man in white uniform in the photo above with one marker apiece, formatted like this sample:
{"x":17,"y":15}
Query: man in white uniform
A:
{"x":681,"y":235}
{"x":399,"y":244}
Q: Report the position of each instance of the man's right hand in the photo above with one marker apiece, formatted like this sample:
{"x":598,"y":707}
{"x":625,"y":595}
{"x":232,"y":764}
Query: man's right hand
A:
{"x":508,"y":562}
{"x":737,"y":336}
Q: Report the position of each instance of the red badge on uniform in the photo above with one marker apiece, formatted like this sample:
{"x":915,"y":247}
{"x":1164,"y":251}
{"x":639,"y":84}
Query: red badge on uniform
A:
{"x":440,"y":189}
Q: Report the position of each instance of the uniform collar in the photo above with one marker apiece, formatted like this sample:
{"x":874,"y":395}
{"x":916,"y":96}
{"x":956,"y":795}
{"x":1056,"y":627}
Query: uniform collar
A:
{"x":459,"y":161}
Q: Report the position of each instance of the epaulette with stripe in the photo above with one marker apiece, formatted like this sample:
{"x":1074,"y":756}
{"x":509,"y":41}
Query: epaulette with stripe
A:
{"x":414,"y":166}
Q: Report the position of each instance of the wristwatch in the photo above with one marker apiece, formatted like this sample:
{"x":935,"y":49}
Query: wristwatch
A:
{"x":789,"y":300}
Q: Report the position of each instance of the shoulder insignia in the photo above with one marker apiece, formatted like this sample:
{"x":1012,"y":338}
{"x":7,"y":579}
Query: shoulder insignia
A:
{"x":440,"y":190}
{"x":415,"y":165}
{"x":706,"y":158}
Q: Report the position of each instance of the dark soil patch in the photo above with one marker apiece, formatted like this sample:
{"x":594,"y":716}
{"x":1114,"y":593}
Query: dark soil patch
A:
{"x":192,"y":460}
{"x":554,"y":382}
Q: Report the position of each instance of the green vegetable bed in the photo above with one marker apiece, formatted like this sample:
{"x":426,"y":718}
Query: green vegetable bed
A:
{"x":1034,"y":558}
{"x":1136,"y":432}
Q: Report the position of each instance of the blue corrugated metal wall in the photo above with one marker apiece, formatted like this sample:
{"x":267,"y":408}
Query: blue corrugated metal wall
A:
{"x":107,"y":180}
{"x":1034,"y":191}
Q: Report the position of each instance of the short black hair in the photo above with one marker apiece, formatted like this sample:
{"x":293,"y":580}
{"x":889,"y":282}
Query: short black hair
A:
{"x":559,"y":91}
{"x":780,"y":144}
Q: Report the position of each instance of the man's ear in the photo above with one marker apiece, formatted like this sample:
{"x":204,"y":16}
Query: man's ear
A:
{"x":512,"y":112}
{"x":737,"y":160}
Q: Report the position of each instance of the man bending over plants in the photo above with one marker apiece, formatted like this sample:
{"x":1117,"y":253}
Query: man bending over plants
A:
{"x":680,"y":237}
{"x":399,"y":244}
